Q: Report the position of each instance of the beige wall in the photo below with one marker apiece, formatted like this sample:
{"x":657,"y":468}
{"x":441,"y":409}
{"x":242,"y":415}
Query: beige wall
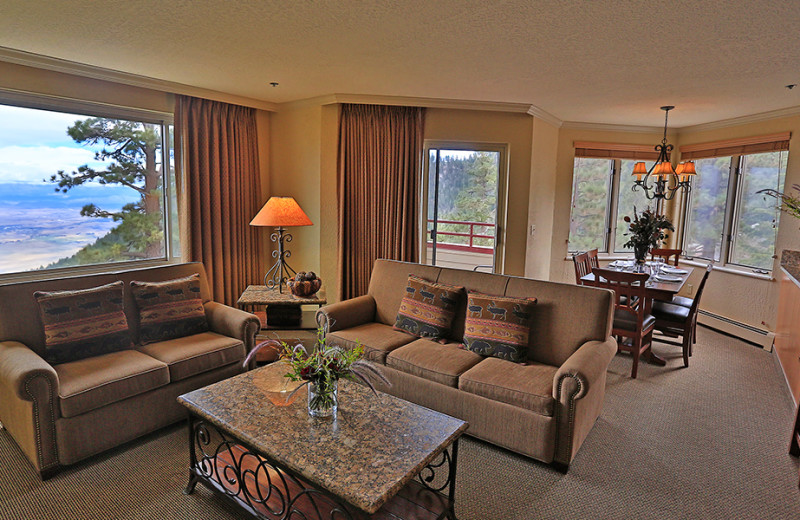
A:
{"x":541,"y":203}
{"x":514,"y":130}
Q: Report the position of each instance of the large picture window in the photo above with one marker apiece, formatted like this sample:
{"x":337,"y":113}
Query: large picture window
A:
{"x":80,"y":189}
{"x":727,"y":220}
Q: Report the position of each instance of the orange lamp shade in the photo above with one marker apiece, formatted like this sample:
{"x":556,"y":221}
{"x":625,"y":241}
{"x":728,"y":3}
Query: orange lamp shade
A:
{"x":639,"y":170}
{"x":281,"y":212}
{"x":663,"y":169}
{"x":688,"y":169}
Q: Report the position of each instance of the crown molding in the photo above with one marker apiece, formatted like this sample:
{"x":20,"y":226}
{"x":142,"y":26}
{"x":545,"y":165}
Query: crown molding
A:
{"x":605,"y":127}
{"x":545,"y":116}
{"x":743,"y":120}
{"x":327,"y":99}
{"x":458,"y":104}
{"x":39,"y":61}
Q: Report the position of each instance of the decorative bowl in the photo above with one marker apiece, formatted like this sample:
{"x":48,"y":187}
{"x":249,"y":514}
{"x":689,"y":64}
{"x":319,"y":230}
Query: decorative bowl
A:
{"x":304,"y":289}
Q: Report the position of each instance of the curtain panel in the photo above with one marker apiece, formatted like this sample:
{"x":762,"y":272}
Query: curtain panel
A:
{"x":379,"y":172}
{"x":219,"y":193}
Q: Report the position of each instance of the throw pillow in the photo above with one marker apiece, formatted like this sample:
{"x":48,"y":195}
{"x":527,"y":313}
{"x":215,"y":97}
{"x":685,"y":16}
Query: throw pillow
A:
{"x":427,"y":308}
{"x":170,"y":309}
{"x":84,"y":323}
{"x":498,"y":326}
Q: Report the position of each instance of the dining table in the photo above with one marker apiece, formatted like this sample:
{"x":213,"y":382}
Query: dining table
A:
{"x":655,"y":289}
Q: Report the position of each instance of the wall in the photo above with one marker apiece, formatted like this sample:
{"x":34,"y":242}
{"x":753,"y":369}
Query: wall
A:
{"x":516,"y":131}
{"x":541,"y":203}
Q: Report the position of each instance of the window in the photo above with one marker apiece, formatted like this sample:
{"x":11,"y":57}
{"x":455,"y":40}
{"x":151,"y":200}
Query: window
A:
{"x":84,"y":185}
{"x":727,"y":220}
{"x":601,"y":198}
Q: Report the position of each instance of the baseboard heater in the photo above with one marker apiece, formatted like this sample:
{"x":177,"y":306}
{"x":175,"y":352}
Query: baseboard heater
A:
{"x":754,"y":335}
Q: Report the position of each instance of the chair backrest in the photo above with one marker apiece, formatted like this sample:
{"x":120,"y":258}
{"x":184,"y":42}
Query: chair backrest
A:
{"x":592,"y":253}
{"x":666,"y":254}
{"x":630,"y":285}
{"x":582,"y":266}
{"x":696,"y":301}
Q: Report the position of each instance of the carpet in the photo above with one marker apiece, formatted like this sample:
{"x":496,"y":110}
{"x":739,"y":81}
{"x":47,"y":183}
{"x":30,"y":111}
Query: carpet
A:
{"x":708,"y":441}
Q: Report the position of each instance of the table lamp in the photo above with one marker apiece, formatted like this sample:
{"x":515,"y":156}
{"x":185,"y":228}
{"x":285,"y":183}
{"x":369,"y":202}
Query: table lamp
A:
{"x":280,"y":212}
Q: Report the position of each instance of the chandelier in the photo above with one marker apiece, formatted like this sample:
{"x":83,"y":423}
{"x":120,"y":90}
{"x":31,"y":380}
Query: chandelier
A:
{"x":661,"y":181}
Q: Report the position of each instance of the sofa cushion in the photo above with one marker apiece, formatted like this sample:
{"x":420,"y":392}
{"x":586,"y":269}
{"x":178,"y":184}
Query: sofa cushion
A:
{"x":376,"y":338}
{"x":95,"y":382}
{"x":83,"y":323}
{"x":433,"y":361}
{"x":498,"y":326}
{"x":526,"y":386}
{"x":170,"y":309}
{"x":192,"y":355}
{"x":427,"y":308}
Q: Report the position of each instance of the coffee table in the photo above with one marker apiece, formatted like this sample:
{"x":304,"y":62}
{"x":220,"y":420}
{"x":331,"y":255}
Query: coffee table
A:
{"x":380,"y":457}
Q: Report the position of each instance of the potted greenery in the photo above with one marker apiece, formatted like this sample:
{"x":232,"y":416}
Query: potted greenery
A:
{"x":320,"y":368}
{"x":789,"y":204}
{"x":646,"y":231}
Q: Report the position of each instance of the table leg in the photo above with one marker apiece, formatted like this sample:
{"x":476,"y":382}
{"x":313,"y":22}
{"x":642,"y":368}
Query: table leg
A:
{"x":193,"y":478}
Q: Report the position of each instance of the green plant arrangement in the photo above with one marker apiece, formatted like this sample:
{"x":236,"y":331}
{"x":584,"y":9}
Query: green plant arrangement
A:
{"x":646,"y":231}
{"x":320,"y":368}
{"x":789,"y":204}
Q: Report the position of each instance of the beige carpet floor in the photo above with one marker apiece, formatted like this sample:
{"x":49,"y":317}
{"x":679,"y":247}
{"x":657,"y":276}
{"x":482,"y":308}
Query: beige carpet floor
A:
{"x":709,"y":441}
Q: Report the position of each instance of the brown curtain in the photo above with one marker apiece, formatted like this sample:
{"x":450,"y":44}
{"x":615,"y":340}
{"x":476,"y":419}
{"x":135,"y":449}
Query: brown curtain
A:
{"x":380,"y":154}
{"x":220,"y":192}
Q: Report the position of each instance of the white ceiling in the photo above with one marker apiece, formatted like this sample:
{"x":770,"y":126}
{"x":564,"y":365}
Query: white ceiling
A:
{"x":614,"y":61}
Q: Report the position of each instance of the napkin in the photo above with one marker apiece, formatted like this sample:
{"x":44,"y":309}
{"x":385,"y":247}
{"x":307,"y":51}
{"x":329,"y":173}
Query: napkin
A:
{"x":673,"y":270}
{"x":667,"y":278}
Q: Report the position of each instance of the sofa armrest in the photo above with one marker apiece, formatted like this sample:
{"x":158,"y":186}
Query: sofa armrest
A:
{"x":347,"y":314}
{"x":234,"y":323}
{"x":29,"y":404}
{"x":579,"y":388}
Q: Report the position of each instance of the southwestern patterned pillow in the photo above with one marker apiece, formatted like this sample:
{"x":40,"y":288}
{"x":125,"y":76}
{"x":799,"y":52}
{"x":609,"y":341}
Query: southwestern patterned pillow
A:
{"x":428,"y":308}
{"x":84,"y":323}
{"x":498,"y":326}
{"x":169,"y":310}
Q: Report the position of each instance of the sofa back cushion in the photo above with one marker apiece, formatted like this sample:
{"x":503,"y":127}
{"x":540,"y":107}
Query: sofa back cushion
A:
{"x":387,"y":282}
{"x":19,"y":313}
{"x":565,"y":316}
{"x":83,"y":323}
{"x":170,"y":309}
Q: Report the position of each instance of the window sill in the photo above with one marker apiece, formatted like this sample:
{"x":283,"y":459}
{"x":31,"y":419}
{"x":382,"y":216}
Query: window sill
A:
{"x":70,"y":272}
{"x":730,"y":270}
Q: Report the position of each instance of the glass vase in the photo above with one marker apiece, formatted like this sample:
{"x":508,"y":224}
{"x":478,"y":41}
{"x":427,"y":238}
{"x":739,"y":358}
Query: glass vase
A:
{"x":323,"y":398}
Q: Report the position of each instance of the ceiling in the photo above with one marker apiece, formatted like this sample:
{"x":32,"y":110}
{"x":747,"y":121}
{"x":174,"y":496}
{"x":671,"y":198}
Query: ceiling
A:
{"x":614,"y":62}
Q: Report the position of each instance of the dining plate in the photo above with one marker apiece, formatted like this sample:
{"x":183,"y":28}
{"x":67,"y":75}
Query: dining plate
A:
{"x":667,"y":278}
{"x":674,"y":270}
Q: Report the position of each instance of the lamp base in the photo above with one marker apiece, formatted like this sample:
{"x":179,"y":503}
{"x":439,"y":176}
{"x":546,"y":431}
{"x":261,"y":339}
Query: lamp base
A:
{"x":281,"y":271}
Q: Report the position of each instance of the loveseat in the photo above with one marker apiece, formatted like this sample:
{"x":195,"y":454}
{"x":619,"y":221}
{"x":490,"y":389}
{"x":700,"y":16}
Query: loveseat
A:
{"x":63,"y":413}
{"x":542,"y":408}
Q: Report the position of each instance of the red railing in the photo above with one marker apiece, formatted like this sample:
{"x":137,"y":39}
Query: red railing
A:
{"x":471,"y":235}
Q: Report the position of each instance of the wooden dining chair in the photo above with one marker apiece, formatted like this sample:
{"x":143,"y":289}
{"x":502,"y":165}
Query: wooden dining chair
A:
{"x":582,"y":266}
{"x":666,"y":254}
{"x":593,"y":261}
{"x":679,"y":321}
{"x":630,"y":319}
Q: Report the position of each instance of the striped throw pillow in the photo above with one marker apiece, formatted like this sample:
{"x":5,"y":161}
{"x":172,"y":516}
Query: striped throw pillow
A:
{"x":498,"y":326}
{"x":83,"y":323}
{"x":427,"y":308}
{"x":170,"y":309}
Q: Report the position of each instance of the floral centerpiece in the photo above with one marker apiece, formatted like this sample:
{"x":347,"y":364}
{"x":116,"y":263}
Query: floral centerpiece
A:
{"x":646,"y":231}
{"x":320,"y":368}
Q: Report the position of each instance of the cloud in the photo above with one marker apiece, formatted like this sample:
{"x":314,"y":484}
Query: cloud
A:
{"x":35,"y":163}
{"x":21,"y":126}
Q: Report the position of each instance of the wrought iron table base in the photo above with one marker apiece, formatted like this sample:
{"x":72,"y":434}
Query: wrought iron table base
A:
{"x":268,"y":491}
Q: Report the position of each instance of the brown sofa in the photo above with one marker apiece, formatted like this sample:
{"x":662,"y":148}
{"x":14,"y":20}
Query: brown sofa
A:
{"x":61,"y":414}
{"x":543,"y":409}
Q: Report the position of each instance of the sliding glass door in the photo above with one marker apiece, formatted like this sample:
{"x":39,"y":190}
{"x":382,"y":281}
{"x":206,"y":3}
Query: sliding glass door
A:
{"x":463,"y":206}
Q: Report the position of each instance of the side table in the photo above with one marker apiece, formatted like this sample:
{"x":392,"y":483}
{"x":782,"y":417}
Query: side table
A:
{"x":283,"y":318}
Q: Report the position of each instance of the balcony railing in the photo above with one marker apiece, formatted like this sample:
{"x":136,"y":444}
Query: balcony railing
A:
{"x":470,"y":235}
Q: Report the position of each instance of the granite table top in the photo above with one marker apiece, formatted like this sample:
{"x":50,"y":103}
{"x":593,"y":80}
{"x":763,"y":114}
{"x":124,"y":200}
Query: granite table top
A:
{"x":263,"y":295}
{"x":374,"y":447}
